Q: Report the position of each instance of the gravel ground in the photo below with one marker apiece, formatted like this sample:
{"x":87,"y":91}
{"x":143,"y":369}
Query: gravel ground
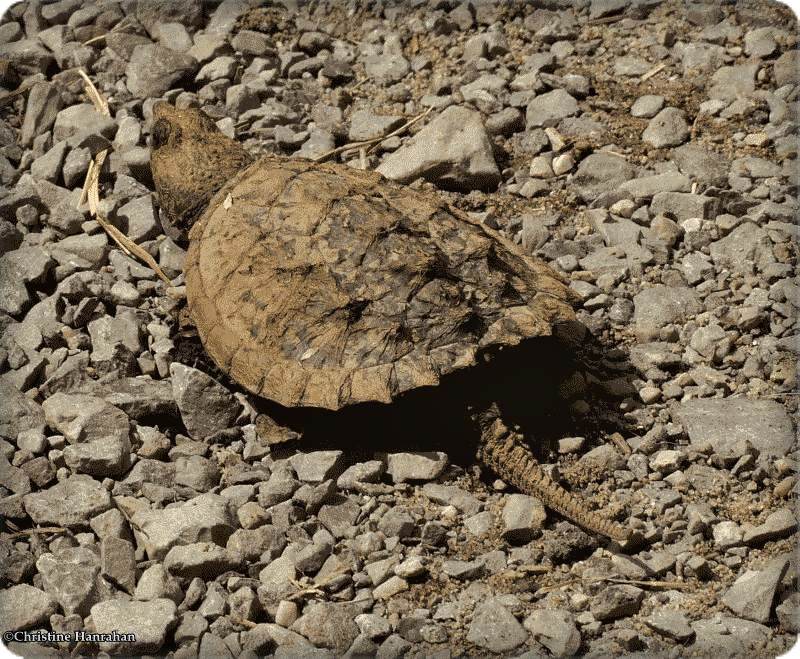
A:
{"x":647,"y":150}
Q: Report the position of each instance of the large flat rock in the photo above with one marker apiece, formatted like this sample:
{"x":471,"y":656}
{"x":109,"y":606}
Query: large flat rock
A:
{"x":724,"y":422}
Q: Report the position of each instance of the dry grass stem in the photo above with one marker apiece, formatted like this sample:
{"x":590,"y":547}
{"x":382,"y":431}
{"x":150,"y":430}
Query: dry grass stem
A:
{"x":119,"y":27}
{"x":652,"y":72}
{"x":91,"y":191}
{"x":371,"y":144}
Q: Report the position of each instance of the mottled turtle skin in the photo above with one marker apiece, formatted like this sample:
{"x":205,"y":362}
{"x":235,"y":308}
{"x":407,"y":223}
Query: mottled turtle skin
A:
{"x":320,"y":285}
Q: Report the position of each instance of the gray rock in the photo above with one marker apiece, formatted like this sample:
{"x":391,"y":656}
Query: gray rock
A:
{"x":27,"y":56}
{"x":213,"y":647}
{"x":174,"y":36}
{"x":84,"y":418}
{"x":603,"y":459}
{"x":108,"y":456}
{"x":140,"y":219}
{"x":251,"y":544}
{"x":523,"y":517}
{"x":696,"y":267}
{"x":747,"y":245}
{"x":463,"y":570}
{"x":726,"y":423}
{"x":18,"y":413}
{"x":728,"y":637}
{"x":366,"y":125}
{"x":205,"y":405}
{"x":630,"y":65}
{"x":397,"y":522}
{"x":151,"y":13}
{"x":684,"y":205}
{"x":386,"y":69}
{"x":25,"y":607}
{"x":450,"y":495}
{"x":219,"y":68}
{"x":70,"y":577}
{"x":752,"y":594}
{"x":171,"y":257}
{"x":196,"y":472}
{"x":29,"y":264}
{"x":72,"y":502}
{"x":199,"y":559}
{"x":667,"y":128}
{"x":361,"y":472}
{"x":339,"y":516}
{"x":404,"y":467}
{"x":661,"y":305}
{"x":787,"y":613}
{"x":602,"y":8}
{"x":373,"y":626}
{"x":316,"y":466}
{"x":647,"y":187}
{"x":10,"y":237}
{"x":156,"y":583}
{"x":389,"y":588}
{"x":329,"y":625}
{"x":616,"y":601}
{"x":153,"y":69}
{"x":701,"y":57}
{"x":206,"y":518}
{"x":251,"y":42}
{"x":89,"y":248}
{"x":671,"y":624}
{"x":556,"y":630}
{"x":138,"y":397}
{"x":77,"y":122}
{"x":600,"y":172}
{"x":760,"y":42}
{"x":452,"y":151}
{"x":727,"y":534}
{"x":394,"y":647}
{"x":550,"y":108}
{"x":730,"y":82}
{"x":786,"y":68}
{"x":495,"y":629}
{"x":44,"y":103}
{"x":148,"y":622}
{"x":701,"y":164}
{"x":778,"y":524}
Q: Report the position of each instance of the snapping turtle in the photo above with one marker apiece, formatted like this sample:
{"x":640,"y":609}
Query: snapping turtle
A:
{"x":319,"y":285}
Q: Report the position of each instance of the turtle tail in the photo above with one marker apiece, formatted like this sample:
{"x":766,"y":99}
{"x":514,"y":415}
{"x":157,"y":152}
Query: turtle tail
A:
{"x":503,"y":451}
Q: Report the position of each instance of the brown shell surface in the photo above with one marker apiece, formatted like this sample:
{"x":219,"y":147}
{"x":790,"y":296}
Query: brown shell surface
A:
{"x":324,"y":286}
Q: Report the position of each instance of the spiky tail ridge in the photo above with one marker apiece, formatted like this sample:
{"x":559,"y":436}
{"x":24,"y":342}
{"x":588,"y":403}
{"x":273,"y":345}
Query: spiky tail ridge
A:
{"x":503,"y":451}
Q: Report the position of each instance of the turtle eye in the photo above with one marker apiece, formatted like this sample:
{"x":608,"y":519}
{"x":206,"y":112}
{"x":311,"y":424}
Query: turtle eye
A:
{"x":160,"y":133}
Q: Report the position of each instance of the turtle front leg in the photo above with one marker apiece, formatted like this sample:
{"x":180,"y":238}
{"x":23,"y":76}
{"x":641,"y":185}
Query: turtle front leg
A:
{"x":506,"y":453}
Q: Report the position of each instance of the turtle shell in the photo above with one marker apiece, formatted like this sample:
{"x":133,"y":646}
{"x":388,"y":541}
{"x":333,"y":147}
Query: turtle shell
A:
{"x":321,"y":285}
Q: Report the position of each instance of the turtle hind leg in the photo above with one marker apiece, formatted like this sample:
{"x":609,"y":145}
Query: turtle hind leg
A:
{"x":505,"y":452}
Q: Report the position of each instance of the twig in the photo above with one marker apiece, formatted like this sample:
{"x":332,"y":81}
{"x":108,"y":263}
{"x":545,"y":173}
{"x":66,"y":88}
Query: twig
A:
{"x":605,"y":20}
{"x":91,"y":191}
{"x":676,"y":585}
{"x":374,"y":141}
{"x":41,"y":529}
{"x":535,"y":569}
{"x":652,"y":72}
{"x":123,"y":24}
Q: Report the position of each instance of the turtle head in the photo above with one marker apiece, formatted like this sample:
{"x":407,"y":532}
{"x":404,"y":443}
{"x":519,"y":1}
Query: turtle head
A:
{"x":190,"y":159}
